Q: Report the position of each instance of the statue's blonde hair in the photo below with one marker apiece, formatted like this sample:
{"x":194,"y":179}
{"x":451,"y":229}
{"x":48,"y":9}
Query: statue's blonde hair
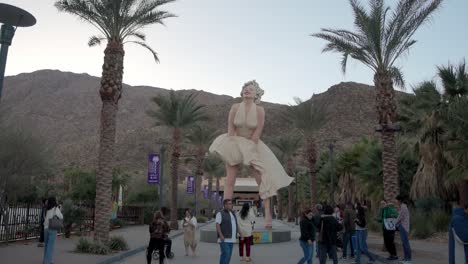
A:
{"x":258,"y":91}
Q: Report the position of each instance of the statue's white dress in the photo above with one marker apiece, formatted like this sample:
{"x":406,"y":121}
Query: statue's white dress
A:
{"x":239,"y":149}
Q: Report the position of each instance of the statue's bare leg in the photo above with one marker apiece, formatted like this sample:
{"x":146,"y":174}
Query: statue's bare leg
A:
{"x":231,"y":172}
{"x":267,"y":201}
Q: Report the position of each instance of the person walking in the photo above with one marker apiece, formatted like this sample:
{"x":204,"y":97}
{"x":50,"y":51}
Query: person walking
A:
{"x":190,"y":226}
{"x":318,"y":211}
{"x":227,"y":229}
{"x":349,"y":229}
{"x":245,"y":220}
{"x":361,"y":235}
{"x":159,"y":230}
{"x":42,"y":218}
{"x":459,"y":227}
{"x":307,"y":237}
{"x":50,"y":229}
{"x":329,"y":228}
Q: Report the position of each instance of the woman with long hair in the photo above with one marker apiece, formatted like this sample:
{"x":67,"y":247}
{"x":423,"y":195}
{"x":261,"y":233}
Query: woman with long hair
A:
{"x":50,"y":233}
{"x":361,"y":235}
{"x":159,"y":230}
{"x":307,"y":237}
{"x":245,"y":220}
{"x":190,"y":226}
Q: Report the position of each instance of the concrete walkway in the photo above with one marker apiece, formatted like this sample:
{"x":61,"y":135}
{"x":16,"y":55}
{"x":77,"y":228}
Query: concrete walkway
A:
{"x":278,"y":253}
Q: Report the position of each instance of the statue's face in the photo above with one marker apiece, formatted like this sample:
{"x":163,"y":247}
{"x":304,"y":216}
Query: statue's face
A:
{"x":249,"y":91}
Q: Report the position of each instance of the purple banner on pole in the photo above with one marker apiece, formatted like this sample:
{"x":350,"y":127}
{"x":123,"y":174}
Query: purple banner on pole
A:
{"x":205,"y":192}
{"x":214,"y":196}
{"x":153,"y":168}
{"x":190,"y":184}
{"x":220,"y":199}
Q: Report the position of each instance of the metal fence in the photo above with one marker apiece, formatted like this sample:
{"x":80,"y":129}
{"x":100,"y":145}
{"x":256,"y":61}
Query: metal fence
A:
{"x":23,"y":221}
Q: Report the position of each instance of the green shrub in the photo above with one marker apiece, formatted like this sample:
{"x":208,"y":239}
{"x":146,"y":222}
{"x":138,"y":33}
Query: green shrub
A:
{"x":117,"y":222}
{"x":202,"y":219}
{"x":441,"y":220}
{"x":148,"y":216}
{"x":83,"y":246}
{"x":423,"y":226}
{"x":100,"y":249}
{"x":118,"y":243}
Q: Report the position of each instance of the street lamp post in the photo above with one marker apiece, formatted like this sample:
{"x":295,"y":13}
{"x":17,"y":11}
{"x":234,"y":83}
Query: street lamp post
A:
{"x":161,"y":175}
{"x":332,"y":176}
{"x":10,"y":17}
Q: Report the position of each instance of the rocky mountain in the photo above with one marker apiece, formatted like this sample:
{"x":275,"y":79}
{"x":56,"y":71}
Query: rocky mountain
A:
{"x":63,"y":110}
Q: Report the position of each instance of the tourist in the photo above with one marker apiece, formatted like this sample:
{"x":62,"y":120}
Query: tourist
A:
{"x":388,"y":217}
{"x":459,"y":225}
{"x":159,"y":230}
{"x":349,"y":229}
{"x":51,"y":228}
{"x":167,"y":242}
{"x":307,"y":237}
{"x":318,"y":211}
{"x":361,"y":235}
{"x":329,"y":228}
{"x":338,"y":214}
{"x":245,"y":220}
{"x":242,"y":145}
{"x":227,"y":229}
{"x":403,"y":225}
{"x":190,"y":226}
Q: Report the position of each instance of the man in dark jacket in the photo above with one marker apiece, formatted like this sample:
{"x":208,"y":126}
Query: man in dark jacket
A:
{"x":227,"y":230}
{"x":329,"y":228}
{"x":459,"y":225}
{"x":318,"y":211}
{"x":349,"y":229}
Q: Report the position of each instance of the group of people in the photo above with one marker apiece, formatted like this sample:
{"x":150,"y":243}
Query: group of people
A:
{"x":324,"y":225}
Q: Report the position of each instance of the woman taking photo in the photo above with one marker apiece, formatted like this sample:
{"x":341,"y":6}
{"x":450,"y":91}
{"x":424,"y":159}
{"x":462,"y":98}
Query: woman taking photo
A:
{"x":245,"y":220}
{"x":159,"y":229}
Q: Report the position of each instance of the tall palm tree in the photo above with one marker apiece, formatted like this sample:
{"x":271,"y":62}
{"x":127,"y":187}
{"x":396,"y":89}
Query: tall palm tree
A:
{"x":118,"y":22}
{"x":379,"y":40}
{"x":200,"y":137}
{"x":212,"y":166}
{"x":308,"y":118}
{"x":178,"y":112}
{"x":288,"y":145}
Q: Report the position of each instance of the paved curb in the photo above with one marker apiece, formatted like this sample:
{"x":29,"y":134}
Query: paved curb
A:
{"x":137,"y":250}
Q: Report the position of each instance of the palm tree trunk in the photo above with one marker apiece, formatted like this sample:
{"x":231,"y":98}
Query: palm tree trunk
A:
{"x":210,"y":194}
{"x":463,"y":192}
{"x":217,"y":190}
{"x":312,"y":159}
{"x":199,"y":178}
{"x":175,"y":177}
{"x":387,"y":113}
{"x":110,"y":92}
{"x":290,"y":192}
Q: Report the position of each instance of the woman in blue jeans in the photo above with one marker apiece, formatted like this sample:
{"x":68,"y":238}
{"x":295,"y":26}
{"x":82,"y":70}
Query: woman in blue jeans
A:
{"x":361,"y":235}
{"x":49,"y":234}
{"x":307,"y":237}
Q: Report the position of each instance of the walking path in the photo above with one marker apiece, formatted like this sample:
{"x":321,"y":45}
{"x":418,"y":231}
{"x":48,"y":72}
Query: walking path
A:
{"x":137,"y":238}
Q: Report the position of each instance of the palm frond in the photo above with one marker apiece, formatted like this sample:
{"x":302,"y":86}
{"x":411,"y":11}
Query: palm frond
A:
{"x":397,"y":77}
{"x":95,"y":40}
{"x":144,"y":45}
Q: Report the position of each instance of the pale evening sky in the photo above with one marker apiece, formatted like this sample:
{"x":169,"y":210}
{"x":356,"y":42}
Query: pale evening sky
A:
{"x":217,"y":45}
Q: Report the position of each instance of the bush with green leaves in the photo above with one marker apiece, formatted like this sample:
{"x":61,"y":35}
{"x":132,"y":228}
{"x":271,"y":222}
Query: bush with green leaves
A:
{"x":84,"y":245}
{"x":441,"y":220}
{"x":117,"y":222}
{"x":428,"y":204}
{"x":202,"y":219}
{"x":118,"y":243}
{"x":423,"y":226}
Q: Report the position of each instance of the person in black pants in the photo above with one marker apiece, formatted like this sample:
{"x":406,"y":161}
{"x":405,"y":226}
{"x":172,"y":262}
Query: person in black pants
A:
{"x":167,"y":242}
{"x":42,"y":217}
{"x":159,"y":230}
{"x":329,"y":227}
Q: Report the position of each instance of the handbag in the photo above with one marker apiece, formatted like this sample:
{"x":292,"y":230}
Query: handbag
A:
{"x":55,"y":223}
{"x":389,"y":224}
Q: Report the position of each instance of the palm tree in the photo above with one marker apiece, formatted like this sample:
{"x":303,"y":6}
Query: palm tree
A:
{"x":212,"y":166}
{"x":200,"y":137}
{"x":308,"y":118}
{"x":288,"y":145}
{"x":178,"y":112}
{"x":118,"y":22}
{"x":378,"y":41}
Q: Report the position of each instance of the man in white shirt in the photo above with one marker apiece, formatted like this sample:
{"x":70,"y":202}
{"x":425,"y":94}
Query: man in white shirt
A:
{"x":227,"y":229}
